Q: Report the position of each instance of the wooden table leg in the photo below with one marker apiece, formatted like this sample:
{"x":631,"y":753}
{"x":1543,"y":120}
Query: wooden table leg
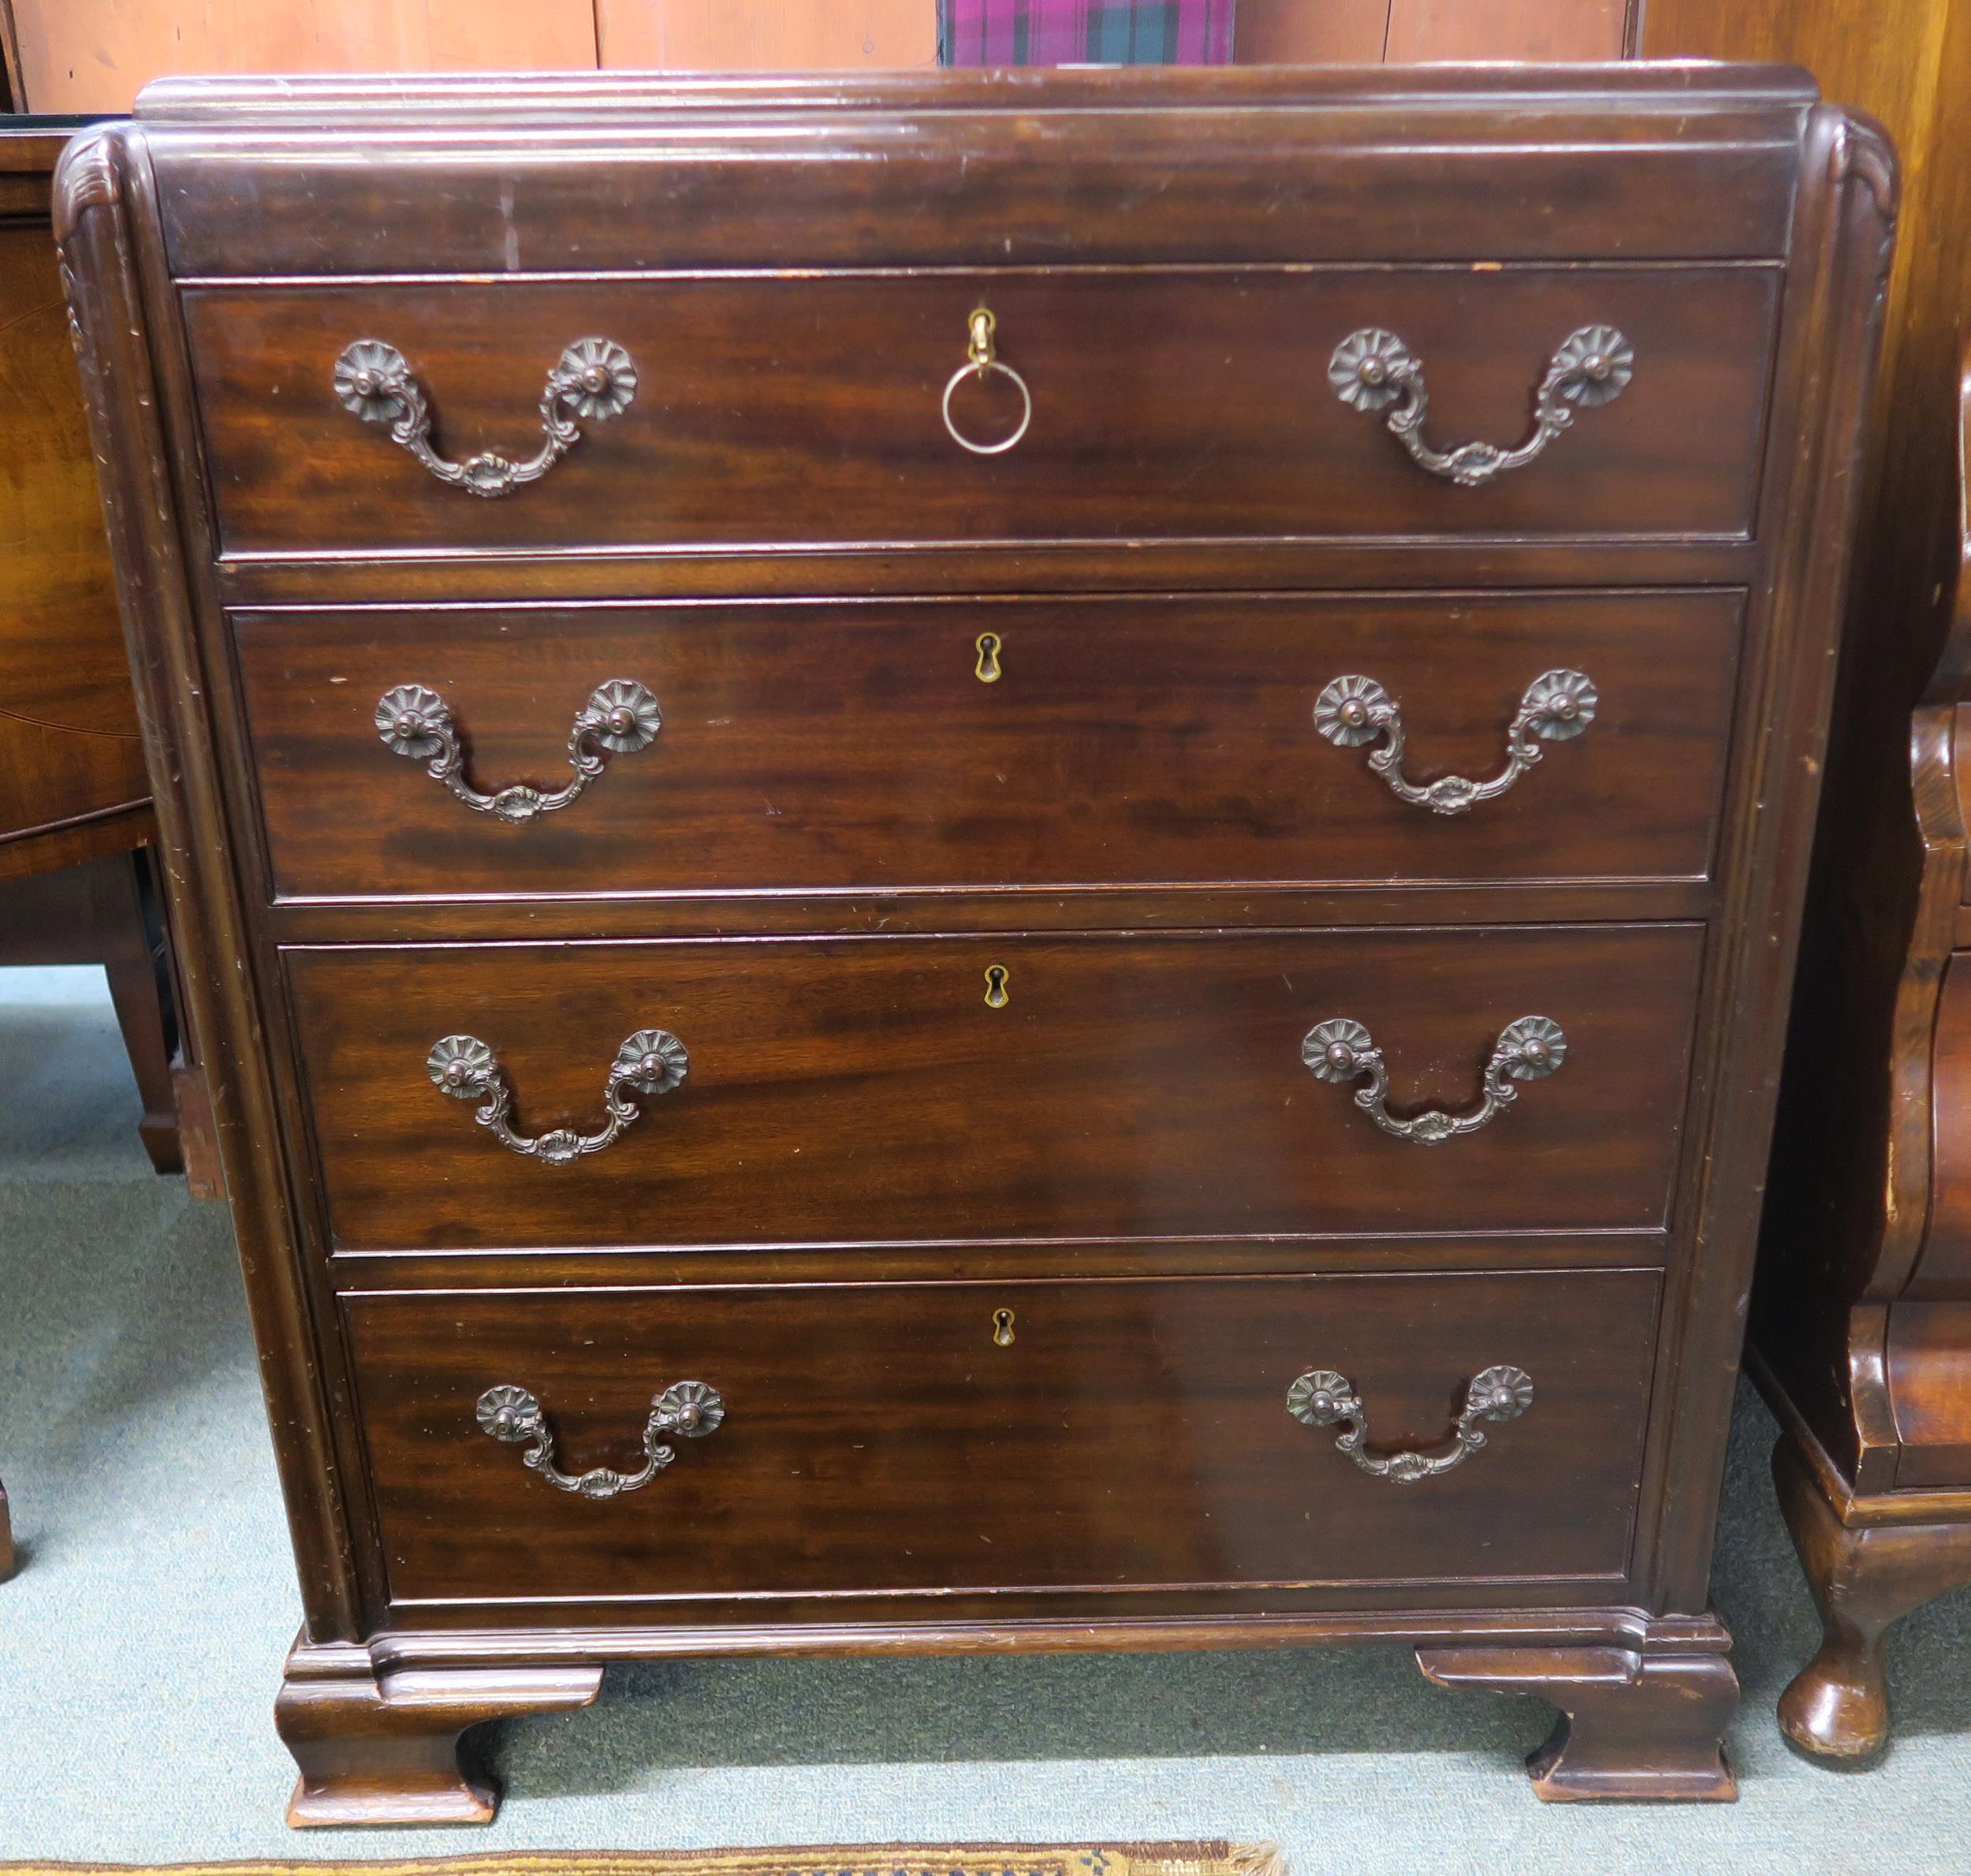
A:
{"x":109,"y":911}
{"x":129,"y":939}
{"x":1864,"y":1579}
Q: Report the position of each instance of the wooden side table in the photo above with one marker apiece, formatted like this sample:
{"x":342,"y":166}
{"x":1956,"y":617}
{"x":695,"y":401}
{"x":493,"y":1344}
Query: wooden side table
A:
{"x":78,"y":878}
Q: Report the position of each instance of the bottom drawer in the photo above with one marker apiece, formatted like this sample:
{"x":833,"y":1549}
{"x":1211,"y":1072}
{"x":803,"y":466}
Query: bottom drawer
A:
{"x":1101,"y":1433}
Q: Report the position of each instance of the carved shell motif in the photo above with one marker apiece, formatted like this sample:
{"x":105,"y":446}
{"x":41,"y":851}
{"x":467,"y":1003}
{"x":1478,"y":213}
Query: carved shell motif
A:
{"x":410,"y":719}
{"x":1334,"y":1049}
{"x":627,"y":715}
{"x":595,"y":378}
{"x":461,"y":1066}
{"x":369,"y":378}
{"x":653,"y":1061}
{"x":1532,"y":1047}
{"x":1593,"y":365}
{"x":1502,"y":1393}
{"x":692,"y":1408}
{"x":1560,"y":704}
{"x":1321,"y":1399}
{"x":1368,"y":367}
{"x":510,"y":1414}
{"x":1351,"y":710}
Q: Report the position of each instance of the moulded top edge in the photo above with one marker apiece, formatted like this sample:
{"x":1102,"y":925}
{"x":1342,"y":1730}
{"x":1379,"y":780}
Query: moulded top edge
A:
{"x":1636,"y":83}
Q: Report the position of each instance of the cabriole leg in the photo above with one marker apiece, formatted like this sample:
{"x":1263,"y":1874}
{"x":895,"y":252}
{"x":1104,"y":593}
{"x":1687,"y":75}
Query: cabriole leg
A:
{"x":1864,"y":1579}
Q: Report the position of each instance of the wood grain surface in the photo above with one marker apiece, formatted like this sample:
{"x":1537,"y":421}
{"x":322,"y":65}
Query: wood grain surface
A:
{"x":68,"y":725}
{"x":844,"y":747}
{"x":856,"y":1106}
{"x":849,"y":1091}
{"x":1130,"y":1435}
{"x":796,"y":409}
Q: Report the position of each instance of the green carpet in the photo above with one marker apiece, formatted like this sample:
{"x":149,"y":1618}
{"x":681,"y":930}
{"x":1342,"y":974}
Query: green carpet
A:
{"x":140,"y":1646}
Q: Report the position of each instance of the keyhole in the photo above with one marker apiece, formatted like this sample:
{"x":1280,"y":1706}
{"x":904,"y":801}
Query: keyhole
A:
{"x":987,"y":670}
{"x":1002,"y":1327}
{"x":995,"y":997}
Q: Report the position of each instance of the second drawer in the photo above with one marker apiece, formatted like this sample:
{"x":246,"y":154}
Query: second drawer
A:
{"x":886,"y":1090}
{"x":836,"y":747}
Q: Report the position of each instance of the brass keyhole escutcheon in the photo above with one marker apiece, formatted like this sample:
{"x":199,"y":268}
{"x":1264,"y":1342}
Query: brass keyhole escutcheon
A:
{"x":1002,"y":1327}
{"x":996,"y":996}
{"x":987,"y":670}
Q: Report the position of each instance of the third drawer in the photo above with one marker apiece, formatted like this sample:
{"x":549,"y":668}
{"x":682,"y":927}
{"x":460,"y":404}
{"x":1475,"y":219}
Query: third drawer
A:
{"x":953,"y":1089}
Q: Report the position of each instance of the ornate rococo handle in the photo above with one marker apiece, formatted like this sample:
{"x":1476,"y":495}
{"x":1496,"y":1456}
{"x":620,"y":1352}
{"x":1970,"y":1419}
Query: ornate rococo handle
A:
{"x":1321,"y":1398}
{"x":594,"y":378}
{"x":1372,"y":370}
{"x":619,"y":718}
{"x":1341,"y":1049}
{"x":687,"y":1408}
{"x":652,"y":1061}
{"x":1557,"y":706}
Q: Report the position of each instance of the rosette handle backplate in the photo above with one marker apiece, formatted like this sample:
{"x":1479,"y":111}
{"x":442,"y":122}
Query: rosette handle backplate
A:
{"x":686,"y":1410}
{"x":1321,"y":1398}
{"x":594,"y":380}
{"x":1374,"y":371}
{"x":1354,"y":710}
{"x":620,"y":718}
{"x":652,"y":1061}
{"x":1341,"y":1049}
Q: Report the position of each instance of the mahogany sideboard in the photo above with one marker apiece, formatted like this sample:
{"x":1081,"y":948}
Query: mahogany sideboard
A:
{"x":1014,"y":859}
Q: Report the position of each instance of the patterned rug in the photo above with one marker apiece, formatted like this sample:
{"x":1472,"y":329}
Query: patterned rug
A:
{"x":807,"y":1859}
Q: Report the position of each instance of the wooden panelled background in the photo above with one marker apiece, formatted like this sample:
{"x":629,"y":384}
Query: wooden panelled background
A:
{"x":1322,"y":32}
{"x":1909,"y":63}
{"x":764,"y":36}
{"x":94,"y":55}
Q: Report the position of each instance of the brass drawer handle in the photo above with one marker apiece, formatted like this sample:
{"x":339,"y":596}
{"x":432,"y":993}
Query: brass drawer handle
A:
{"x":687,"y":1408}
{"x":1557,"y":706}
{"x":652,"y":1061}
{"x":1374,"y":371}
{"x":594,"y":378}
{"x":619,"y":718}
{"x":1341,"y":1049}
{"x":1322,"y":1398}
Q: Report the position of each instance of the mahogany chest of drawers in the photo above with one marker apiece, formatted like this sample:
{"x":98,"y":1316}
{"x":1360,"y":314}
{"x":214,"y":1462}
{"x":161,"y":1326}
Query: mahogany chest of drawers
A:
{"x":1001,"y":864}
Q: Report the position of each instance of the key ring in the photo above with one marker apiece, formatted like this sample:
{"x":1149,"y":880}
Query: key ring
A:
{"x":980,"y":361}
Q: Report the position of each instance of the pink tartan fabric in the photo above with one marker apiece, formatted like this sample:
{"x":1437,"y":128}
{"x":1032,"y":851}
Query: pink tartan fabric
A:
{"x":1071,"y":32}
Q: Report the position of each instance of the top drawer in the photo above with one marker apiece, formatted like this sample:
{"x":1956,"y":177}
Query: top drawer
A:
{"x":783,"y":409}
